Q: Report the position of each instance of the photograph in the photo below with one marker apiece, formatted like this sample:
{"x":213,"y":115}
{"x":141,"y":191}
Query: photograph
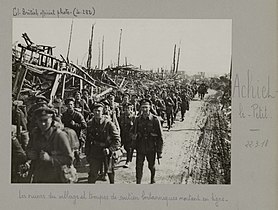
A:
{"x":121,"y":101}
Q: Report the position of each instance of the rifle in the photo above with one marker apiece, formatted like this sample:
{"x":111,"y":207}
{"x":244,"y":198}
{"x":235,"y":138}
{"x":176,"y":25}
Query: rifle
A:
{"x":108,"y":164}
{"x":155,"y":145}
{"x":110,"y":160}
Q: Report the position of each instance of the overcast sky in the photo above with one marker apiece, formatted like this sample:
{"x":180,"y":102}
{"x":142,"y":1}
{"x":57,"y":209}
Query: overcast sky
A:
{"x":205,"y":44}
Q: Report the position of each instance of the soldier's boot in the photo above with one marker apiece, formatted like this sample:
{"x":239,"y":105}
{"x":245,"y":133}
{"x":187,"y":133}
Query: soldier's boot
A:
{"x":92,"y":179}
{"x":128,"y":158}
{"x":131,"y":154}
{"x":138,"y":177}
{"x":77,"y":158}
{"x":102,"y":177}
{"x":152,"y":176}
{"x":102,"y":173}
{"x":138,"y":180}
{"x":126,"y":165}
{"x":111,"y":177}
{"x":182,"y":116}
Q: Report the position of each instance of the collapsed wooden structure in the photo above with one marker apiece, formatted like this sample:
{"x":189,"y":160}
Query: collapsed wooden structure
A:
{"x":36,"y":70}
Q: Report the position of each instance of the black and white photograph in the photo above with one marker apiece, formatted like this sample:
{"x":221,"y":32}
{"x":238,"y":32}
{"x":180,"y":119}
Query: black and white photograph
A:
{"x":121,"y":101}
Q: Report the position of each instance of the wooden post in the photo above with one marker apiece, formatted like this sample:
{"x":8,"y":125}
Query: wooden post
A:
{"x":92,"y":91}
{"x":69,"y":41}
{"x":73,"y":78}
{"x":89,"y":61}
{"x":54,"y":87}
{"x":102,"y":54}
{"x":63,"y":86}
{"x":231,"y":67}
{"x":22,"y":76}
{"x":178,"y":59}
{"x":119,"y":53}
{"x":174,"y":59}
{"x":81,"y":85}
{"x":98,"y":56}
{"x":18,"y":128}
{"x":23,"y":50}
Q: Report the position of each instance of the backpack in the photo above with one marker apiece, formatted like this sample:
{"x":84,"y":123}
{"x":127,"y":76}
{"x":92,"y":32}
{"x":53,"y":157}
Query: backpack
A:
{"x":72,"y":137}
{"x":68,"y":173}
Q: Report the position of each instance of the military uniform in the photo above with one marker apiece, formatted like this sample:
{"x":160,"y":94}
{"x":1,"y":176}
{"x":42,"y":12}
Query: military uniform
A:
{"x":184,"y":105}
{"x":148,"y":142}
{"x":83,"y":107}
{"x":101,"y":135}
{"x":114,"y":106}
{"x":77,"y":117}
{"x":169,"y":111}
{"x":78,"y":126}
{"x":40,"y":101}
{"x":87,"y":98}
{"x":126,"y":123}
{"x":18,"y":159}
{"x":55,"y":144}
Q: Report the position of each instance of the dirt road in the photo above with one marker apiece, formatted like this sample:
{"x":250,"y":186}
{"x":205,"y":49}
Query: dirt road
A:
{"x":180,"y":146}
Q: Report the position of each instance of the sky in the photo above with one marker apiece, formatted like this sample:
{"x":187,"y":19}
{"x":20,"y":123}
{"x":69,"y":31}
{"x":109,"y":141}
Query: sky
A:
{"x":205,"y":44}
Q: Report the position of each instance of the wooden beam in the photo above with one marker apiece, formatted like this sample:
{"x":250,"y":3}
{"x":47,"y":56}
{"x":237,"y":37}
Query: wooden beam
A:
{"x":60,"y":72}
{"x":77,"y":67}
{"x":23,"y":73}
{"x":104,"y":92}
{"x":63,"y":86}
{"x":54,"y":88}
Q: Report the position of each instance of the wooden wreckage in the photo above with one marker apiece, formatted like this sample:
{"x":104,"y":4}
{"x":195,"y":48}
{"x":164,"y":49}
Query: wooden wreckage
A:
{"x":36,"y":71}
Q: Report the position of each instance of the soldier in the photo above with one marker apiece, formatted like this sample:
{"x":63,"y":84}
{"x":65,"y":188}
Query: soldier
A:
{"x":74,"y":120}
{"x":114,"y":105}
{"x":81,"y":105}
{"x":48,"y":148}
{"x":153,"y":107}
{"x":159,"y":106}
{"x":87,"y":98}
{"x":110,"y":115}
{"x":126,"y":121}
{"x":202,"y":90}
{"x":18,"y":115}
{"x":134,"y":101}
{"x":126,"y":98}
{"x":147,"y":140}
{"x":176,"y":105}
{"x":184,"y":104}
{"x":38,"y":101}
{"x":18,"y":160}
{"x":169,"y":110}
{"x":103,"y":139}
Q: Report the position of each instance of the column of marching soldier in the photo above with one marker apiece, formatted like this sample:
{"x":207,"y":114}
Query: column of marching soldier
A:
{"x":98,"y":129}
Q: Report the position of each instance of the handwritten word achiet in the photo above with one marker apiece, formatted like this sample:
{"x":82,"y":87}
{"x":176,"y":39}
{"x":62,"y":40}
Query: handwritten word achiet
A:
{"x":259,"y":88}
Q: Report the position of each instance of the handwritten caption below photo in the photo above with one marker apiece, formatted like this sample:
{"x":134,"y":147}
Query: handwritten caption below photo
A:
{"x":146,"y":196}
